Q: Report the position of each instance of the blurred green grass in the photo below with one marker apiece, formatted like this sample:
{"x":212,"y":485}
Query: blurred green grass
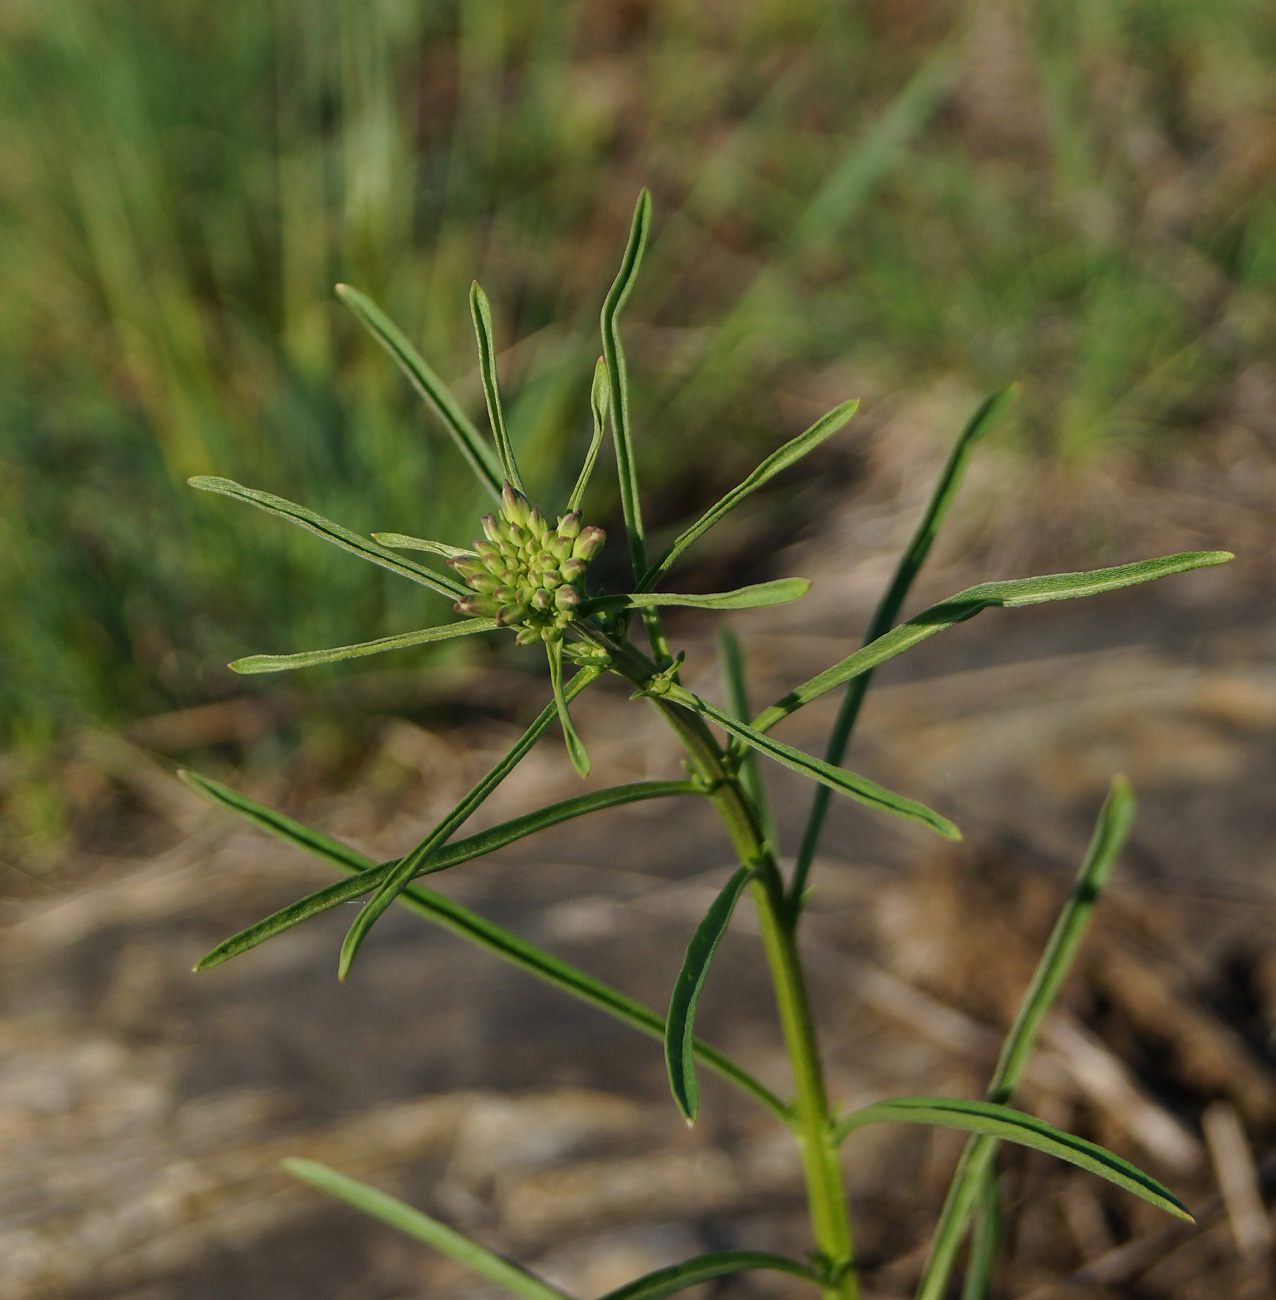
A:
{"x":1077,"y":195}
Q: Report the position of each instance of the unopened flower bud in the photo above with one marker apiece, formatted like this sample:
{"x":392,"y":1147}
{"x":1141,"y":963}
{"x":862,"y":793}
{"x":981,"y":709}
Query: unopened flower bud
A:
{"x":588,"y":544}
{"x":569,"y":526}
{"x":514,"y":505}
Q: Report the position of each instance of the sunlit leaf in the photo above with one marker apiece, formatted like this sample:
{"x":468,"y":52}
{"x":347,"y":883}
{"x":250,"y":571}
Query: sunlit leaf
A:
{"x":576,"y":750}
{"x":599,"y":399}
{"x":401,"y":641}
{"x":406,"y":543}
{"x":677,"y":1277}
{"x":481,"y":311}
{"x":758,"y":596}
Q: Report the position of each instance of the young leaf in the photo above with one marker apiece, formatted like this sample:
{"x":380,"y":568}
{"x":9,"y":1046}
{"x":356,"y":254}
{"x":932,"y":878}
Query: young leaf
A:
{"x":599,"y":397}
{"x":680,"y":1022}
{"x":449,"y":855}
{"x":481,"y":311}
{"x":390,"y":1210}
{"x":576,"y":750}
{"x":406,"y":543}
{"x":427,"y":384}
{"x":401,"y":641}
{"x":758,"y":596}
{"x":988,"y":1118}
{"x":977,"y":1162}
{"x":838,"y":778}
{"x":703,"y":1268}
{"x":883,"y":620}
{"x":334,"y":533}
{"x":411,"y":863}
{"x":787,"y":455}
{"x":966,"y":604}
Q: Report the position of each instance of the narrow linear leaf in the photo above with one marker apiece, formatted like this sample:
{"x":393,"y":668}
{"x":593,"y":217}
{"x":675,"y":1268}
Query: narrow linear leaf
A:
{"x":599,"y":398}
{"x":758,"y":596}
{"x":846,"y":782}
{"x":985,"y":1242}
{"x":427,"y":384}
{"x":966,"y":604}
{"x":396,"y":1214}
{"x":677,"y":1277}
{"x":883,"y":620}
{"x":449,"y":855}
{"x":411,"y":863}
{"x":680,"y":1022}
{"x":731,"y":660}
{"x":576,"y":750}
{"x":401,"y":641}
{"x":481,"y":311}
{"x":485,"y":934}
{"x":978,"y":1160}
{"x":406,"y":543}
{"x":331,"y":532}
{"x":789,"y":454}
{"x":986,"y":1117}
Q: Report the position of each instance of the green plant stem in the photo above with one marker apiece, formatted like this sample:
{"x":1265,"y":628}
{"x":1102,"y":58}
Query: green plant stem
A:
{"x":811,"y":1124}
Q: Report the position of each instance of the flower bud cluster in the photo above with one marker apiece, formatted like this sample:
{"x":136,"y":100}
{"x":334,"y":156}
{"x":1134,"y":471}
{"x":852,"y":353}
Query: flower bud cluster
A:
{"x":526,"y":573}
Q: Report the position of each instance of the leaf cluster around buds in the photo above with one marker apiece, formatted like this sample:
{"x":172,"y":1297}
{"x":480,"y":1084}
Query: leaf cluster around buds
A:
{"x":527,"y":574}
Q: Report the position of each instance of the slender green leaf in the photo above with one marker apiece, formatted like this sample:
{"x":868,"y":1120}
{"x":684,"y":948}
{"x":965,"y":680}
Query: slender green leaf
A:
{"x":599,"y":398}
{"x":838,"y":778}
{"x":406,"y":543}
{"x":430,"y":387}
{"x":758,"y":596}
{"x":618,"y":381}
{"x":966,"y":604}
{"x":680,"y":1022}
{"x":334,"y":533}
{"x":985,"y":1242}
{"x":988,"y":1118}
{"x":576,"y":750}
{"x":977,"y":1162}
{"x":410,"y":864}
{"x":447,"y":1241}
{"x":449,"y":855}
{"x":475,"y":929}
{"x":677,"y":1277}
{"x":883,"y":620}
{"x":787,"y":455}
{"x":309,"y":658}
{"x":481,"y":311}
{"x":731,"y":659}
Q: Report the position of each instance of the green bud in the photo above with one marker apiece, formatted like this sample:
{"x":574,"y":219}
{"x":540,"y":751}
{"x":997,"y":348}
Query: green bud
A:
{"x":514,"y":505}
{"x":588,"y":544}
{"x":569,"y":526}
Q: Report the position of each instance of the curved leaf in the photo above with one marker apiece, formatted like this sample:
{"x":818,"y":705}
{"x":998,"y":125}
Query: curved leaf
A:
{"x":394,"y":1212}
{"x":1009,"y":1125}
{"x":677,"y":1277}
{"x":757,"y":596}
{"x":846,"y":782}
{"x":599,"y":397}
{"x":576,"y":750}
{"x":406,"y":543}
{"x":400,"y":641}
{"x":331,"y":532}
{"x":680,"y":1022}
{"x":779,"y":460}
{"x":449,"y":855}
{"x":481,"y":311}
{"x":427,"y":384}
{"x":966,"y":604}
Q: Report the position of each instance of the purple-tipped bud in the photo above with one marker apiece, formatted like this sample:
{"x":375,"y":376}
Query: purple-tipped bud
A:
{"x":572,"y":569}
{"x":493,"y":529}
{"x":508,"y":614}
{"x":468,"y":568}
{"x":536,"y":524}
{"x":550,"y":579}
{"x":588,"y":544}
{"x":566,"y":599}
{"x":559,"y":547}
{"x":476,"y":606}
{"x":569,"y":526}
{"x":514,"y":505}
{"x":541,"y":599}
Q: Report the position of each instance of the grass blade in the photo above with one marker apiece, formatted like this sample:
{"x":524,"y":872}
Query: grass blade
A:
{"x":966,"y":604}
{"x":758,"y":596}
{"x":481,"y":311}
{"x":475,"y":929}
{"x":857,"y":787}
{"x":731,"y":659}
{"x":427,"y":384}
{"x":332,"y":532}
{"x":677,"y":1277}
{"x":401,"y":641}
{"x":883,"y":620}
{"x":393,"y":1212}
{"x":599,"y":398}
{"x":406,"y":543}
{"x":409,"y":865}
{"x":1111,"y":830}
{"x":993,"y":1120}
{"x":449,"y":855}
{"x":985,"y":1242}
{"x":787,"y":455}
{"x":576,"y":750}
{"x":680,"y":1022}
{"x":618,"y":381}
